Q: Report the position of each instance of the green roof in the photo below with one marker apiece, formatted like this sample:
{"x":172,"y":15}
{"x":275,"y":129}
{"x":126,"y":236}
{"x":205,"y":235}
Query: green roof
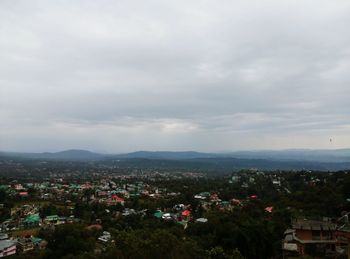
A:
{"x":158,"y":214}
{"x":32,"y":218}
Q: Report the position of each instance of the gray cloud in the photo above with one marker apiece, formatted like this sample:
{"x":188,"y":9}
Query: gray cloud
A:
{"x":127,"y":75}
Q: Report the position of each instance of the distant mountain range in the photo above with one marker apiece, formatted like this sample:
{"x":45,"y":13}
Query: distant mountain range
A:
{"x":73,"y":154}
{"x":338,"y":155}
{"x":169,"y":155}
{"x":76,"y":154}
{"x":284,"y":159}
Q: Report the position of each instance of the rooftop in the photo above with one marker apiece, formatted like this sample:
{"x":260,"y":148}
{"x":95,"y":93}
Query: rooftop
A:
{"x":307,"y":224}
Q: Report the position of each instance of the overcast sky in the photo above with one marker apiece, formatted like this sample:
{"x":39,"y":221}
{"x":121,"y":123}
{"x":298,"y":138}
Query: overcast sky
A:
{"x":119,"y":76}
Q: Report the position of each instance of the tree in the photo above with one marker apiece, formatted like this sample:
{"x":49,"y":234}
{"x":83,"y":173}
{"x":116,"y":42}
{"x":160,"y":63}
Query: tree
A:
{"x":72,"y":239}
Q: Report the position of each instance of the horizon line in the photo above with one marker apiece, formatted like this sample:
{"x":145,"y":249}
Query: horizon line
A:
{"x":178,"y":151}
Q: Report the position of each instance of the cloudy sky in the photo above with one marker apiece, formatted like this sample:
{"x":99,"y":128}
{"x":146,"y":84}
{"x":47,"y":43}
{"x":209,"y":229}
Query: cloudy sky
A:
{"x":124,"y":75}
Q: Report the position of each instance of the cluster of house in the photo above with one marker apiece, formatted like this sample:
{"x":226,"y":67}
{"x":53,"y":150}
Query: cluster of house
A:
{"x":23,"y":244}
{"x":278,"y":180}
{"x":208,"y":200}
{"x":324,"y":238}
{"x":27,"y":217}
{"x":112,"y":194}
{"x":17,"y":234}
{"x":245,"y":179}
{"x":26,"y":243}
{"x":180,"y":213}
{"x":103,"y":190}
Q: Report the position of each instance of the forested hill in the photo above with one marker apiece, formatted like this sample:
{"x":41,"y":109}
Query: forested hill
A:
{"x":325,"y":160}
{"x":208,"y":164}
{"x":224,"y":164}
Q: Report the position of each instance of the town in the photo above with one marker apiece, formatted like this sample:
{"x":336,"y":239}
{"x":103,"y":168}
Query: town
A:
{"x":91,"y":211}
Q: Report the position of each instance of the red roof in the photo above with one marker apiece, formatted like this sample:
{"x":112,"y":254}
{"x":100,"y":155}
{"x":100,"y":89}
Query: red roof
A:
{"x":269,"y":209}
{"x":23,"y":193}
{"x":116,"y":198}
{"x":253,"y":196}
{"x":186,"y":213}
